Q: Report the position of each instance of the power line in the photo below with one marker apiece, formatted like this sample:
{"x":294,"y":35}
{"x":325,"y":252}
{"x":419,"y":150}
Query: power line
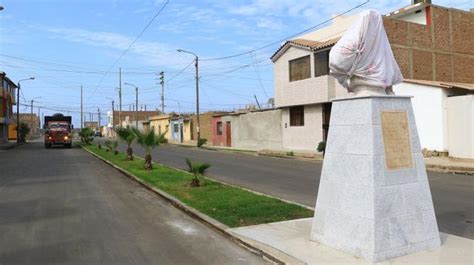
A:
{"x":289,"y":37}
{"x":130,"y":46}
{"x":181,"y":71}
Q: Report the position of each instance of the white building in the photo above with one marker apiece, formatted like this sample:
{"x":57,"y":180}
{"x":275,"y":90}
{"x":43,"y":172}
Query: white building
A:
{"x":443,"y":113}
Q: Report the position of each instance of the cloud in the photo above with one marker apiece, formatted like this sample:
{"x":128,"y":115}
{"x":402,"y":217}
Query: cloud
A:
{"x":269,"y":23}
{"x":150,"y":52}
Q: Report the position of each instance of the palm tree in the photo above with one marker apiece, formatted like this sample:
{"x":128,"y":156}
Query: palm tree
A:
{"x":127,"y":135}
{"x":148,"y":140}
{"x":197,"y":169}
{"x":114,"y":147}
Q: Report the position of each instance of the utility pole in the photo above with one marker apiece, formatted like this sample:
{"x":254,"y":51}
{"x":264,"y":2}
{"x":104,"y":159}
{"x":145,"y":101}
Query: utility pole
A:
{"x":98,"y":118}
{"x":136,"y":110}
{"x":196,"y":60}
{"x":120,"y":97}
{"x":31,"y":117}
{"x":18,"y":108}
{"x":162,"y":82}
{"x":39,"y":118}
{"x":198,"y":127}
{"x":82,"y":113}
{"x":136,"y":103}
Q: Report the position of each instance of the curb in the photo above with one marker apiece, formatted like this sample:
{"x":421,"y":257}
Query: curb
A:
{"x":210,"y":222}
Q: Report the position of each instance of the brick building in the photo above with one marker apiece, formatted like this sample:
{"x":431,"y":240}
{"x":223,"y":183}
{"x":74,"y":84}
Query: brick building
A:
{"x":432,"y":42}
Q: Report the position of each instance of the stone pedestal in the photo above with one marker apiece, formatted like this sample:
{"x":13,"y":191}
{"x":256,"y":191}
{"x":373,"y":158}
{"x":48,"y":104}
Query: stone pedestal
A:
{"x":374,"y":199}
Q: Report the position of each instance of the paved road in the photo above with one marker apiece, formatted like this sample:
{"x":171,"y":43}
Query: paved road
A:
{"x":297,"y":180}
{"x":62,"y":206}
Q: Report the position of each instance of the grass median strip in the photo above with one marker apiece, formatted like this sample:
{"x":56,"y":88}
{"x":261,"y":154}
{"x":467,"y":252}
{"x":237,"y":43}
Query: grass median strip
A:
{"x":229,"y":205}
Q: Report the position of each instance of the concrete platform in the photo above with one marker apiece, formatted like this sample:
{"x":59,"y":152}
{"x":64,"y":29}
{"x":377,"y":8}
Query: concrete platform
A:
{"x":290,"y":242}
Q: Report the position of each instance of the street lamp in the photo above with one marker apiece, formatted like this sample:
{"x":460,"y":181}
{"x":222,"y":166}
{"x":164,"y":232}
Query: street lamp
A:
{"x":196,"y":60}
{"x":31,"y":115}
{"x":136,"y":103}
{"x":18,"y":108}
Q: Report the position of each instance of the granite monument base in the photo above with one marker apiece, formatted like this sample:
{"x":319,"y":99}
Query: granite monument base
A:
{"x":374,"y":199}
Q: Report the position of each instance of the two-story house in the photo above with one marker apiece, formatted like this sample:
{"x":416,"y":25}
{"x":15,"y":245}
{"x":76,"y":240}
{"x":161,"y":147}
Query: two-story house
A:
{"x":429,"y":43}
{"x":7,"y":100}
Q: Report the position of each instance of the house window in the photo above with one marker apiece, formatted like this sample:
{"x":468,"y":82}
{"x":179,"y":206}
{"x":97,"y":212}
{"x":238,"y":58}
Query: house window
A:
{"x":321,"y":63}
{"x":300,"y":68}
{"x":297,"y":116}
{"x":176,"y":128}
{"x":219,"y":128}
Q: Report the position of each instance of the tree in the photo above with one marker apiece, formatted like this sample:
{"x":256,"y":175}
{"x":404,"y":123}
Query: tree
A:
{"x":24,"y":130}
{"x":148,"y":140}
{"x":87,"y":135}
{"x":127,"y":135}
{"x":197,"y":169}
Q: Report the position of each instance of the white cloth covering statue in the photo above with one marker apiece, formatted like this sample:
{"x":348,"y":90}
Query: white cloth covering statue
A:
{"x":362,"y":60}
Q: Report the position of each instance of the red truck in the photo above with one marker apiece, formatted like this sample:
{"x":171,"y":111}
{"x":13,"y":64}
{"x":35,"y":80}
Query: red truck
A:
{"x":58,"y":130}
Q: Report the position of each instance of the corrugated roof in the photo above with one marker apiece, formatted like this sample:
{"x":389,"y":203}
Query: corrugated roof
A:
{"x":304,"y":43}
{"x":441,"y":84}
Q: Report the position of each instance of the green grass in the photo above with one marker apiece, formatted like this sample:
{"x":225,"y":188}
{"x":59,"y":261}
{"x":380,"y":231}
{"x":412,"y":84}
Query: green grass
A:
{"x":229,"y":205}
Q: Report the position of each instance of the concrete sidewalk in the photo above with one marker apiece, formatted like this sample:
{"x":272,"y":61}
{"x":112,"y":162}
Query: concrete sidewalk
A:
{"x":9,"y":145}
{"x":450,"y":164}
{"x":289,"y":241}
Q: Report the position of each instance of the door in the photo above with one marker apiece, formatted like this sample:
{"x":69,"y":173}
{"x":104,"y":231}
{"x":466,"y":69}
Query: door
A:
{"x":228,"y":133}
{"x":181,"y":134}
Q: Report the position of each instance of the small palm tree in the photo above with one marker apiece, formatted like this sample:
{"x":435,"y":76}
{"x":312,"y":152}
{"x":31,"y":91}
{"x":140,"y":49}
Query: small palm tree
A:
{"x":108,"y":144}
{"x":148,"y":140}
{"x":114,"y":146}
{"x":197,"y":169}
{"x":127,"y":135}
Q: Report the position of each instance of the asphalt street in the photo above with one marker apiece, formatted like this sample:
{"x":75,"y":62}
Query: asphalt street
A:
{"x":298,"y":181}
{"x":63,"y":206}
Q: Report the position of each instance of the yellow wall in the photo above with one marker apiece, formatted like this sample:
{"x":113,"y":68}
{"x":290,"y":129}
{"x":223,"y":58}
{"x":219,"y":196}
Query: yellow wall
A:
{"x":187,"y":130}
{"x":164,"y":122}
{"x":12,"y":132}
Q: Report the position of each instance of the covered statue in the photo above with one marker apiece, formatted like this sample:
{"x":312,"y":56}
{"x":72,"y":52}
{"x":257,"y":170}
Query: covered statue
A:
{"x":362,"y":60}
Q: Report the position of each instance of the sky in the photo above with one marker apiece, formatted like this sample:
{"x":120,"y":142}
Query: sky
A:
{"x":74,"y":43}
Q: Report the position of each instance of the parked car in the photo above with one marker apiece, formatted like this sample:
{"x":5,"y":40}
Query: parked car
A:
{"x":98,"y":134}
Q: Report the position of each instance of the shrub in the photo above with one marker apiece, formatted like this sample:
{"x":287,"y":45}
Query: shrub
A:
{"x":201,"y":142}
{"x":321,"y":147}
